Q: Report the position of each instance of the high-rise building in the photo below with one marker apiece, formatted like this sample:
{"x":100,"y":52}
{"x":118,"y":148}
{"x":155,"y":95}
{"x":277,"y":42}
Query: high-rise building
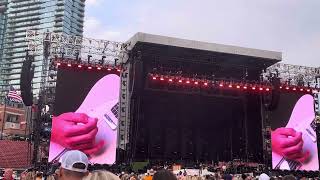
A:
{"x":60,"y":16}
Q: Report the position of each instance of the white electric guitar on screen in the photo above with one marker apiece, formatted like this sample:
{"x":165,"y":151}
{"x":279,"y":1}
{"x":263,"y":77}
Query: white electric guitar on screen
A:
{"x":302,"y":120}
{"x":102,"y":103}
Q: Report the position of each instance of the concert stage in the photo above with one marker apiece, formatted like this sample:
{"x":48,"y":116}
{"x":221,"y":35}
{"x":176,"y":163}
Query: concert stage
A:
{"x":191,"y":100}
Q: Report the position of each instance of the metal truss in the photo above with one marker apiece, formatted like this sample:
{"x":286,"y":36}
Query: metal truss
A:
{"x":76,"y":47}
{"x":296,"y":75}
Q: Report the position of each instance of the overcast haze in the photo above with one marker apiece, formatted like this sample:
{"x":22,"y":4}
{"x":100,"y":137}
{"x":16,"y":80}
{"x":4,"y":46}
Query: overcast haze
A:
{"x":289,"y":26}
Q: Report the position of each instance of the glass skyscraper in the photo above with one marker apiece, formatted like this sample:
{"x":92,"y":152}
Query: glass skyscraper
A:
{"x":60,"y":16}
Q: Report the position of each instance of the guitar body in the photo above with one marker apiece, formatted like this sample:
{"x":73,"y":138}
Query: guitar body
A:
{"x":301,"y":119}
{"x":100,"y":103}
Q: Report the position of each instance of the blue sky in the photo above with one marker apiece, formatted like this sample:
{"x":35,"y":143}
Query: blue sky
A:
{"x":289,"y":26}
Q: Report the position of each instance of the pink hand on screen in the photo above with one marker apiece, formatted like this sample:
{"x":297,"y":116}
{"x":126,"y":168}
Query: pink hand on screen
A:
{"x":289,"y":143}
{"x":67,"y":132}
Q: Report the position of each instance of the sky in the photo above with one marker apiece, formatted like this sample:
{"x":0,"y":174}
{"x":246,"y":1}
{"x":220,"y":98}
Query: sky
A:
{"x":289,"y":26}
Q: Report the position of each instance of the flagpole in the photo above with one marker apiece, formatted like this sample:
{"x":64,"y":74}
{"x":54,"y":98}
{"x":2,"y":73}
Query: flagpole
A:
{"x":4,"y":116}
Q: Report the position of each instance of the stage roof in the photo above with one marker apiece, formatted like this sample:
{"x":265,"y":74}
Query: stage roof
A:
{"x":224,"y":53}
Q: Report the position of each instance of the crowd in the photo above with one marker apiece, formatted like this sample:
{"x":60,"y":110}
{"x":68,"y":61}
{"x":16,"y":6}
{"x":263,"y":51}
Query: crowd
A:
{"x":74,"y":166}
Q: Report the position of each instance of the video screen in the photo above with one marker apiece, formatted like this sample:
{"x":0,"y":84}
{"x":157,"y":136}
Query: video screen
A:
{"x":293,"y":134}
{"x":85,"y":114}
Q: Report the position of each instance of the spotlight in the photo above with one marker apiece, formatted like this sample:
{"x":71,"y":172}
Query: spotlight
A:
{"x":308,"y":90}
{"x":170,"y":80}
{"x":301,"y":89}
{"x":287,"y":88}
{"x":245,"y":87}
{"x":79,"y":66}
{"x":154,"y":78}
{"x":188,"y":82}
{"x":118,"y":70}
{"x":206,"y":84}
{"x":253,"y":88}
{"x":221,"y":84}
{"x":267,"y":89}
{"x":196,"y":83}
{"x":161,"y":79}
{"x":238,"y":87}
{"x":294,"y":89}
{"x":280,"y":87}
{"x":230,"y":86}
{"x":109,"y":69}
{"x":261,"y":89}
{"x":180,"y":81}
{"x":69,"y":65}
{"x":89,"y":67}
{"x":99,"y":68}
{"x":58,"y":64}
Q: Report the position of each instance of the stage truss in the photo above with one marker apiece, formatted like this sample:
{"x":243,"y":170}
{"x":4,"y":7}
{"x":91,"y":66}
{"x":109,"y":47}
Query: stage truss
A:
{"x":56,"y":48}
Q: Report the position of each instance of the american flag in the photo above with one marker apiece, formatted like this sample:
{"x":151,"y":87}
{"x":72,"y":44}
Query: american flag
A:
{"x":13,"y":96}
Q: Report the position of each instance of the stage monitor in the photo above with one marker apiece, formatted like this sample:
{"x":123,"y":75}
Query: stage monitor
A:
{"x":86,"y":114}
{"x":293,"y":134}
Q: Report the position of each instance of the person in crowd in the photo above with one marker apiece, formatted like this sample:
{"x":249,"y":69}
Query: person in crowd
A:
{"x":101,"y":175}
{"x":74,"y":166}
{"x":164,"y":175}
{"x":8,"y":174}
{"x":288,"y":177}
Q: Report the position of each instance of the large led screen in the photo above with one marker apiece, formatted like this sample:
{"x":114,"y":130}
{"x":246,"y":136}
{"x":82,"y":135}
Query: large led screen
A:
{"x":85,"y":114}
{"x":293,"y":135}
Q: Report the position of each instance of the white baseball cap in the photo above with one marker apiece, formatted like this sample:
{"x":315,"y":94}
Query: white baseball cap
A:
{"x":72,"y":158}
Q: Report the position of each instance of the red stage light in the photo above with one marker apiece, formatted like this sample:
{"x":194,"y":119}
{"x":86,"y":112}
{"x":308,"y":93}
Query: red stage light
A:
{"x":118,"y":70}
{"x":261,"y":89}
{"x":238,"y":87}
{"x":267,"y":89}
{"x":301,"y":89}
{"x":206,"y":84}
{"x":230,"y":86}
{"x":287,"y":88}
{"x":221,"y":85}
{"x":188,"y":82}
{"x":154,"y":78}
{"x":280,"y":87}
{"x":69,"y":65}
{"x":294,"y":89}
{"x":245,"y":87}
{"x":58,"y":64}
{"x":99,"y":68}
{"x":79,"y":66}
{"x":180,"y":81}
{"x":196,"y":83}
{"x":161,"y":79}
{"x":253,"y":88}
{"x":308,"y":90}
{"x":170,"y":80}
{"x":89,"y":67}
{"x":109,"y":69}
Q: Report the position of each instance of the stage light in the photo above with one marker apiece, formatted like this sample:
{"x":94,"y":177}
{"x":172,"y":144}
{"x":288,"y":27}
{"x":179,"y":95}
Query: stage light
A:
{"x":170,"y":80}
{"x":308,"y":90}
{"x":58,"y":64}
{"x":294,"y":89}
{"x":161,"y":79}
{"x":287,"y":88}
{"x":267,"y":89}
{"x":79,"y":66}
{"x":280,"y":87}
{"x":109,"y":69}
{"x":118,"y":70}
{"x":99,"y":68}
{"x":301,"y":89}
{"x":188,"y":82}
{"x":253,"y":88}
{"x":180,"y":81}
{"x":230,"y":86}
{"x":206,"y":84}
{"x":238,"y":87}
{"x":245,"y":87}
{"x":261,"y":89}
{"x":154,"y":78}
{"x":69,"y":65}
{"x":196,"y":83}
{"x":221,"y":85}
{"x":89,"y":67}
